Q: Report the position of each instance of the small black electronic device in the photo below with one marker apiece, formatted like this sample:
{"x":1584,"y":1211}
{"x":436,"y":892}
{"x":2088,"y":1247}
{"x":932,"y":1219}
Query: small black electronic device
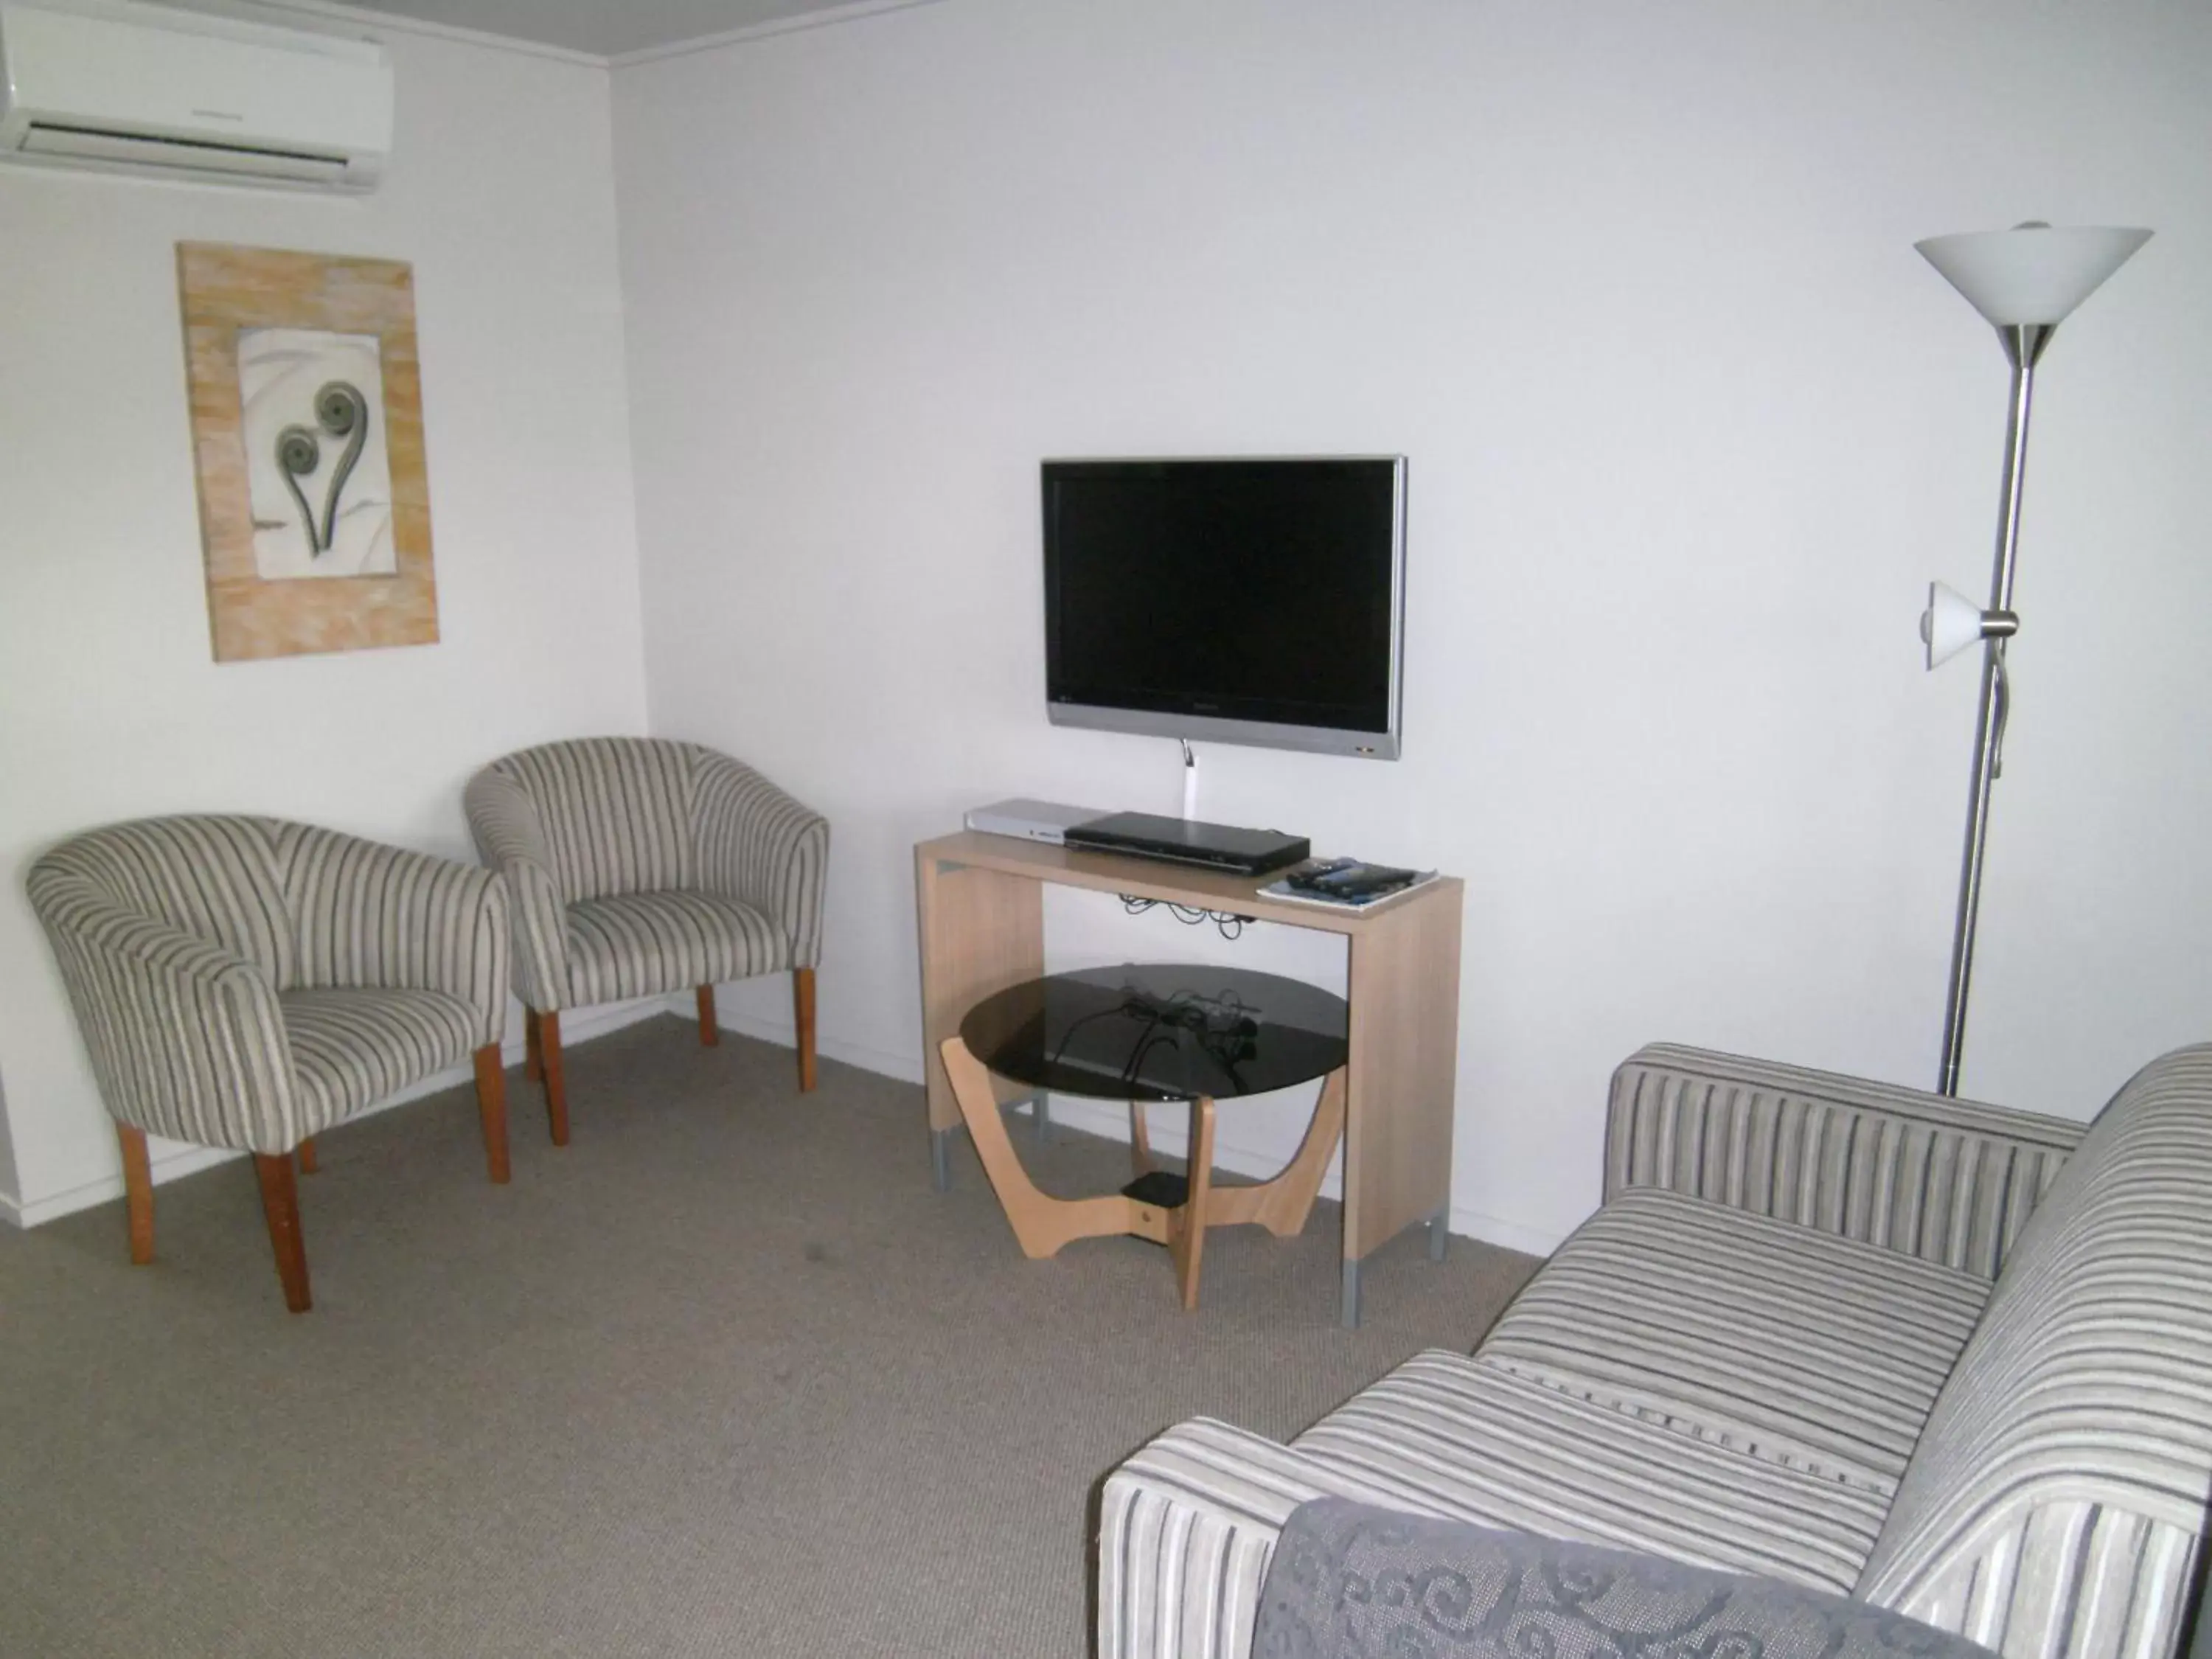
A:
{"x":1162,"y":1189}
{"x":1348,"y":878}
{"x":1182,"y":840}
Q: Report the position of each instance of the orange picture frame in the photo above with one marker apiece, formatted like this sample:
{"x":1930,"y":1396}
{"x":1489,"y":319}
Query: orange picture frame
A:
{"x":224,"y":291}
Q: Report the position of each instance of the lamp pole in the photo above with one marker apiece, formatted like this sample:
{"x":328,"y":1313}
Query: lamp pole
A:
{"x":2024,"y":344}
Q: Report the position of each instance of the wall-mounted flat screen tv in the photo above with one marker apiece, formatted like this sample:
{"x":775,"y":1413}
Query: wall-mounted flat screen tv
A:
{"x":1257,"y":601}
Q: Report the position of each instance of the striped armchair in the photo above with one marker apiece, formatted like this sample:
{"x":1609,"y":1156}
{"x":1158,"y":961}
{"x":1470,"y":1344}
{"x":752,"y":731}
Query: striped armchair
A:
{"x":245,"y":982}
{"x":640,"y":867}
{"x":1951,"y":1361}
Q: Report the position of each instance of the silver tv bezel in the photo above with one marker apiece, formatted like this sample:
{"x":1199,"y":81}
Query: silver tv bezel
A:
{"x":1264,"y":735}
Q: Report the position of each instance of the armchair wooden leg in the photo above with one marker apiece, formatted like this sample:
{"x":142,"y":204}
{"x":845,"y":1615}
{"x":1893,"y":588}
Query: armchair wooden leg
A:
{"x":533,"y":1047}
{"x":802,"y":1005}
{"x":556,"y":1089}
{"x":280,"y":1202}
{"x":138,"y":1192}
{"x":491,"y":1106}
{"x":709,"y":1033}
{"x":308,"y":1164}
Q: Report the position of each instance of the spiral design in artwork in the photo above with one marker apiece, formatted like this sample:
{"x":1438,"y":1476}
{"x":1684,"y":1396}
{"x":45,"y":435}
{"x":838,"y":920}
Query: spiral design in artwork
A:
{"x":343,"y":412}
{"x":298,"y":454}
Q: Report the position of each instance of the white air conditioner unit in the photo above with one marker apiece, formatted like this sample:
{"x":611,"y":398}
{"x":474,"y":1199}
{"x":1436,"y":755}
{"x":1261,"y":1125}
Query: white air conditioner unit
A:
{"x":112,"y":83}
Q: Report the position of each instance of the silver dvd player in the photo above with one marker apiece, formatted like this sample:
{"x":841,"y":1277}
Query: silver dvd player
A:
{"x":1031,"y":820}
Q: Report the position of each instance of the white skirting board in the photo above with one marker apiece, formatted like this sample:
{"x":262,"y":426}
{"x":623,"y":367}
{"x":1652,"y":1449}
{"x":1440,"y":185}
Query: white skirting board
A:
{"x":578,"y":1027}
{"x":1111,"y":1122}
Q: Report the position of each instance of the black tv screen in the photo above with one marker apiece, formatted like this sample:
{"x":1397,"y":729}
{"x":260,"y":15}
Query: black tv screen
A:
{"x":1247,"y":601}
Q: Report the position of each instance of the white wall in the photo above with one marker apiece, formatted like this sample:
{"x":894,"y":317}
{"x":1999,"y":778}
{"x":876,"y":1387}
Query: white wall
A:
{"x":1690,"y":426}
{"x":501,"y":196}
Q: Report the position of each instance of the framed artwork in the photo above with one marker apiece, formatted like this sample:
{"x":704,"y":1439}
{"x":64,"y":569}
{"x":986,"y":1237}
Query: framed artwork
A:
{"x":306,"y":411}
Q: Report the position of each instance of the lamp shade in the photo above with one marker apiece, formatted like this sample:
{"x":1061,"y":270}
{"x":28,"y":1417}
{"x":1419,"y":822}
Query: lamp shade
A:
{"x":1951,"y":623}
{"x":2031,"y":274}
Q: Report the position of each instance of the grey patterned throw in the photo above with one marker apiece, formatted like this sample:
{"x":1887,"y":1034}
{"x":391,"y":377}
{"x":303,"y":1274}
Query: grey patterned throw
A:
{"x":1349,"y":1581}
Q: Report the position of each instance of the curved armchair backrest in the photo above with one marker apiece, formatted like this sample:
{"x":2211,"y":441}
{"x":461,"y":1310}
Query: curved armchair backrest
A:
{"x":215,"y":877}
{"x":617,"y":813}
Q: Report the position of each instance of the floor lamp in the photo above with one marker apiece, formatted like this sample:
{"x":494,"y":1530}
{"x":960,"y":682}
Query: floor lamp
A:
{"x":2026,"y":280}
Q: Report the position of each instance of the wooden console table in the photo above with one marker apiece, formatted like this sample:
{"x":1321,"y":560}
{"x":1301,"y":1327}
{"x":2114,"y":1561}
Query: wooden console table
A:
{"x":981,"y":904}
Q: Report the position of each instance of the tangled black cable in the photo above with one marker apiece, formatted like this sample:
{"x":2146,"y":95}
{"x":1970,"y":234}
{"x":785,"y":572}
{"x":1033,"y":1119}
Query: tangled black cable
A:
{"x":1230,"y":924}
{"x":1223,"y":1027}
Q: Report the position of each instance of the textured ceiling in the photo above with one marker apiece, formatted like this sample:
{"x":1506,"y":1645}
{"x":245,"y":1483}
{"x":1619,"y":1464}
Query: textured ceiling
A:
{"x":604,"y":28}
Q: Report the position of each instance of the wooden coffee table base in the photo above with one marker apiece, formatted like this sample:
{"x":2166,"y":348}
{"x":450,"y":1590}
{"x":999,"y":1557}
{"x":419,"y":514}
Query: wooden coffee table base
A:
{"x":1042,"y":1224}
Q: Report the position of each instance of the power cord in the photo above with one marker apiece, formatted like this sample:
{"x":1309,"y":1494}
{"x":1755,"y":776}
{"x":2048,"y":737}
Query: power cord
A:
{"x":1225,"y":1027}
{"x":1230,"y":925}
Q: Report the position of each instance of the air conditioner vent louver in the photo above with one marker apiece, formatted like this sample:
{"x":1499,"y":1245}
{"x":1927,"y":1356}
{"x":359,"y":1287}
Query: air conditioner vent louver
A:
{"x":57,"y":138}
{"x":113,"y":83}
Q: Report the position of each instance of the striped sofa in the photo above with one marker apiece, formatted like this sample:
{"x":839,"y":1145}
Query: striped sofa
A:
{"x":247,"y":983}
{"x":640,"y":867}
{"x":1953,"y":1361}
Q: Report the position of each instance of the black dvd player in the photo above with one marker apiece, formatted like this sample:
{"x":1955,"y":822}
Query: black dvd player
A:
{"x":1181,"y":841}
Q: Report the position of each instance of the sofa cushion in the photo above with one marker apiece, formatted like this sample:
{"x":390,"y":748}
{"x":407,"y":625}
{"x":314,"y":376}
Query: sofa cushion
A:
{"x":1798,"y":1347}
{"x":640,"y":944}
{"x":1448,"y":1435}
{"x":351,"y":1048}
{"x":1350,"y":1579}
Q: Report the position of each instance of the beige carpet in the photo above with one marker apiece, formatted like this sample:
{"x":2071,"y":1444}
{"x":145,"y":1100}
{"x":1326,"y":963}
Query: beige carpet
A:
{"x":724,"y":1376}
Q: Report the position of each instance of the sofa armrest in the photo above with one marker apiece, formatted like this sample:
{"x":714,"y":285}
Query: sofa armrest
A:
{"x":370,"y":916}
{"x":1186,"y":1529}
{"x":758,"y":845}
{"x":1946,"y":1180}
{"x":184,"y":1036}
{"x":503,"y":823}
{"x":1352,"y":1578}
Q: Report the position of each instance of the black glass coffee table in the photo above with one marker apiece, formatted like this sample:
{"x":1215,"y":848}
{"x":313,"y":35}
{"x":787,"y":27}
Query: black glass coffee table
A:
{"x":1154,"y":1033}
